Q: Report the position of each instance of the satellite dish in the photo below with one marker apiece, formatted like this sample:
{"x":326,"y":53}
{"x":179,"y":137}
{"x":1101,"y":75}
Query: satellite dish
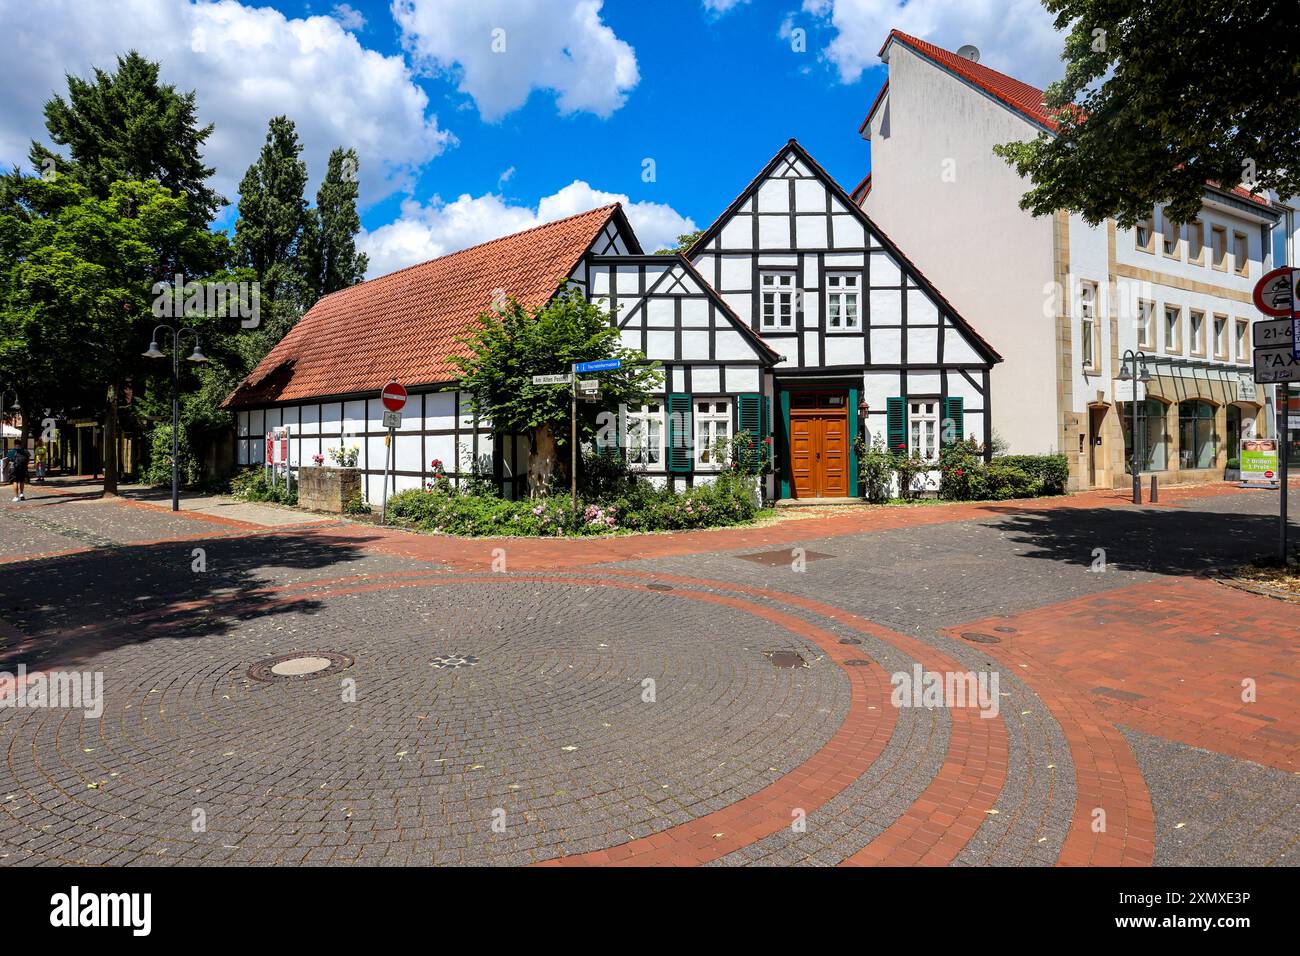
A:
{"x":970,"y":52}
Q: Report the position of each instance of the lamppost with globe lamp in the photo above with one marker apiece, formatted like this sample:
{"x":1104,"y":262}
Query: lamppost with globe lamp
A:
{"x":198,"y":358}
{"x":1134,"y":369}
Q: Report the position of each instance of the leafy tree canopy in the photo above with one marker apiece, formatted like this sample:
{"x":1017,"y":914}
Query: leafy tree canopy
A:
{"x":684,"y":242}
{"x":1161,"y":96}
{"x":272,"y":210}
{"x":127,"y":125}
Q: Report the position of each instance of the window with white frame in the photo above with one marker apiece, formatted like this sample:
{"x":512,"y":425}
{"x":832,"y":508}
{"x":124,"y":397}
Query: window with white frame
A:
{"x":1169,"y":237}
{"x":842,"y":300}
{"x":1088,"y":332}
{"x":777,"y":299}
{"x":712,"y":432}
{"x":1144,"y":234}
{"x":1196,"y":331}
{"x":923,"y":429}
{"x":1221,"y":337}
{"x":1241,"y":253}
{"x":643,"y":435}
{"x":1146,"y":324}
{"x":1173,"y":329}
{"x":1243,"y":340}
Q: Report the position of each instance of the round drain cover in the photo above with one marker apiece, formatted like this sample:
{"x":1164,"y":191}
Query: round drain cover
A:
{"x":980,"y":638}
{"x":849,"y":640}
{"x":300,"y":666}
{"x":1005,"y":630}
{"x":304,"y":665}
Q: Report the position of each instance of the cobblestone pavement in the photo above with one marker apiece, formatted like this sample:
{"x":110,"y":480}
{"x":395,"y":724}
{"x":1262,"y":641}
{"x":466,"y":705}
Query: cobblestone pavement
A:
{"x":718,"y":698}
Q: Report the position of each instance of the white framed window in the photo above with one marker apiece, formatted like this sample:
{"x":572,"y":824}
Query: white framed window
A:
{"x":712,"y":432}
{"x":923,"y":429}
{"x":1219,"y":248}
{"x":1173,"y":329}
{"x":1170,"y":235}
{"x":1243,"y":340}
{"x":1241,"y":253}
{"x":1088,"y":332}
{"x":1196,"y":331}
{"x":842,"y":300}
{"x":1196,"y":242}
{"x":777,"y":299}
{"x":1146,"y":324}
{"x":1144,"y":234}
{"x":643,"y":434}
{"x":1221,"y":337}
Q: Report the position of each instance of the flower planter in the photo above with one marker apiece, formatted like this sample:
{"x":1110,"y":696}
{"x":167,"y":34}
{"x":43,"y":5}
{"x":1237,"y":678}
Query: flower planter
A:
{"x":327,"y":489}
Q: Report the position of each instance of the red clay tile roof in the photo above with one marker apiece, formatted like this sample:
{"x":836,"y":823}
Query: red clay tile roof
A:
{"x":1024,"y":99}
{"x":405,"y":325}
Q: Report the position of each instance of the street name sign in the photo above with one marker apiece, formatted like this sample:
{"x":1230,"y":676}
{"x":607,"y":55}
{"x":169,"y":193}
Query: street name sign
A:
{"x":602,"y":365}
{"x":550,"y":379}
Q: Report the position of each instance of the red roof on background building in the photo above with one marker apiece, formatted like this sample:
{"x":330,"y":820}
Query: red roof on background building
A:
{"x":1024,"y":99}
{"x":404,"y":325}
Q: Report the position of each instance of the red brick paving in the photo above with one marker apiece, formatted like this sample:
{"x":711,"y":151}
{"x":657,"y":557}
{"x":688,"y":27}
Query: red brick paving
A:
{"x":1169,"y":657}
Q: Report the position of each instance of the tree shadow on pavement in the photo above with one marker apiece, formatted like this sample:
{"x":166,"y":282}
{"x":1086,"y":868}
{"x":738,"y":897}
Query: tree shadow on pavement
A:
{"x":72,"y":607}
{"x":1160,"y":541}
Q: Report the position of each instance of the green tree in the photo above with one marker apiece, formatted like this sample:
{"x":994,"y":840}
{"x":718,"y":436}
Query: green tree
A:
{"x":273,"y":212}
{"x":79,"y":279}
{"x":1161,"y":96}
{"x":684,"y":242}
{"x":127,"y":125}
{"x":509,"y":345}
{"x":330,"y":260}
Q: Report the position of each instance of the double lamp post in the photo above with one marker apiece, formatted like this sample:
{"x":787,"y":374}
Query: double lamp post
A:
{"x":1134,"y":369}
{"x":198,"y":358}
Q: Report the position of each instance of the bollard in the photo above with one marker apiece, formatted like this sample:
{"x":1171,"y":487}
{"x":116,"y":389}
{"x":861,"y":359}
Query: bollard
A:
{"x":1155,"y":489}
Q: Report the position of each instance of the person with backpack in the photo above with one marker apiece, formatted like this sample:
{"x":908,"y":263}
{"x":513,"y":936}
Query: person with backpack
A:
{"x":18,"y":458}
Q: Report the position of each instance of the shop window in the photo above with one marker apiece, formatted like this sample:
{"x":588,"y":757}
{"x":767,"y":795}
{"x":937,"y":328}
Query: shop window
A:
{"x":1151,"y":435}
{"x":842,"y":300}
{"x":712,"y":432}
{"x":923,"y":429}
{"x":643,"y":437}
{"x":1196,"y":439}
{"x":778,"y":299}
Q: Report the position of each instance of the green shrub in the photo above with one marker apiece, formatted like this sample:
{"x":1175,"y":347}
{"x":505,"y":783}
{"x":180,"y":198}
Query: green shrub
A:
{"x":961,"y":471}
{"x":729,"y":499}
{"x":251,"y":485}
{"x":159,"y":469}
{"x":356,"y":505}
{"x":1050,"y":472}
{"x":1002,"y":481}
{"x":875,"y":471}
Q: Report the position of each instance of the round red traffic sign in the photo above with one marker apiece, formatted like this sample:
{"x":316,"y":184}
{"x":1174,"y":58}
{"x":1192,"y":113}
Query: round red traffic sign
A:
{"x":1275,"y":291}
{"x":394,"y":396}
{"x":1268,"y":474}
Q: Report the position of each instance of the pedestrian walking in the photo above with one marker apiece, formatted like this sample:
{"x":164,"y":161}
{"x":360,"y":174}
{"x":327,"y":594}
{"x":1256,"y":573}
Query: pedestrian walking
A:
{"x":18,"y":458}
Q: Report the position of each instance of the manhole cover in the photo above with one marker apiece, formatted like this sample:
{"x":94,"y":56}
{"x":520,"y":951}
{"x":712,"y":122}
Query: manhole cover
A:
{"x":980,"y":638}
{"x":453,"y":661}
{"x":785,"y":659}
{"x":857,"y":662}
{"x":660,"y":587}
{"x":304,"y":665}
{"x":849,"y":640}
{"x":781,"y":557}
{"x":1005,"y":630}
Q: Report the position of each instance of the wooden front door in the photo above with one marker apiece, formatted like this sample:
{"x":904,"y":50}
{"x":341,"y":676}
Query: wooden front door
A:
{"x":819,"y":444}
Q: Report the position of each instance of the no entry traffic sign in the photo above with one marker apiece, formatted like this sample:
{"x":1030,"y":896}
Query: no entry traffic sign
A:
{"x":394,"y":396}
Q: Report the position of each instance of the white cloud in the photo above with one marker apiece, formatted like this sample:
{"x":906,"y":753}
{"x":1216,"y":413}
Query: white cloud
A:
{"x":717,"y":8}
{"x":501,"y":50}
{"x":1015,"y":37}
{"x":246,"y":65}
{"x":348,"y":16}
{"x":426,"y":231}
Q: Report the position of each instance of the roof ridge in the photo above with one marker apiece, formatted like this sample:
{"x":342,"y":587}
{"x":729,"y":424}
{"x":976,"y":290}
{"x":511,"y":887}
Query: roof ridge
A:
{"x":607,"y":208}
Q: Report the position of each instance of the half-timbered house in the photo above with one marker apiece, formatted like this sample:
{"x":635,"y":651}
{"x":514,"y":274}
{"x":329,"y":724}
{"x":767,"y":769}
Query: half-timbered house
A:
{"x":792,"y":317}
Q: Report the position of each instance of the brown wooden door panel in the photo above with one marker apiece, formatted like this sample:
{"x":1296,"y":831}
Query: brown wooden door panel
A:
{"x":834,"y":460}
{"x":804,"y":439}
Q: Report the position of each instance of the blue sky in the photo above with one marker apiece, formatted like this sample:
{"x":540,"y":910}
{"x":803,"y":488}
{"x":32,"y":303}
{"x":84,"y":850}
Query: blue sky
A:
{"x":477,"y":118}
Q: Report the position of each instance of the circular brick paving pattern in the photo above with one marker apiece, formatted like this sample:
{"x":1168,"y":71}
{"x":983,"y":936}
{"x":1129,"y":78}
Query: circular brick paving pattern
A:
{"x":591,"y":715}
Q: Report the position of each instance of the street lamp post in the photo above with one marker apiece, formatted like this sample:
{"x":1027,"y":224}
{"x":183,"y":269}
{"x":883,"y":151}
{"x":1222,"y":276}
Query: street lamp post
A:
{"x":198,"y":358}
{"x":1134,"y":369}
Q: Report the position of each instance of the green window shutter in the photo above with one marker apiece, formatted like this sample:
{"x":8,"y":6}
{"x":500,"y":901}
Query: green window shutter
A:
{"x":681,"y":432}
{"x":767,"y":429}
{"x":896,"y":427}
{"x":749,"y":418}
{"x":954,"y":411}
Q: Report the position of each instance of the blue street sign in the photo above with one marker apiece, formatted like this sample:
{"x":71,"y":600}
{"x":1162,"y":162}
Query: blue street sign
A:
{"x":604,"y":365}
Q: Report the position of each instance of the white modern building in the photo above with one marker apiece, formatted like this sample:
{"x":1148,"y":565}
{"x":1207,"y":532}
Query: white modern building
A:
{"x":1063,"y":301}
{"x":792,"y":317}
